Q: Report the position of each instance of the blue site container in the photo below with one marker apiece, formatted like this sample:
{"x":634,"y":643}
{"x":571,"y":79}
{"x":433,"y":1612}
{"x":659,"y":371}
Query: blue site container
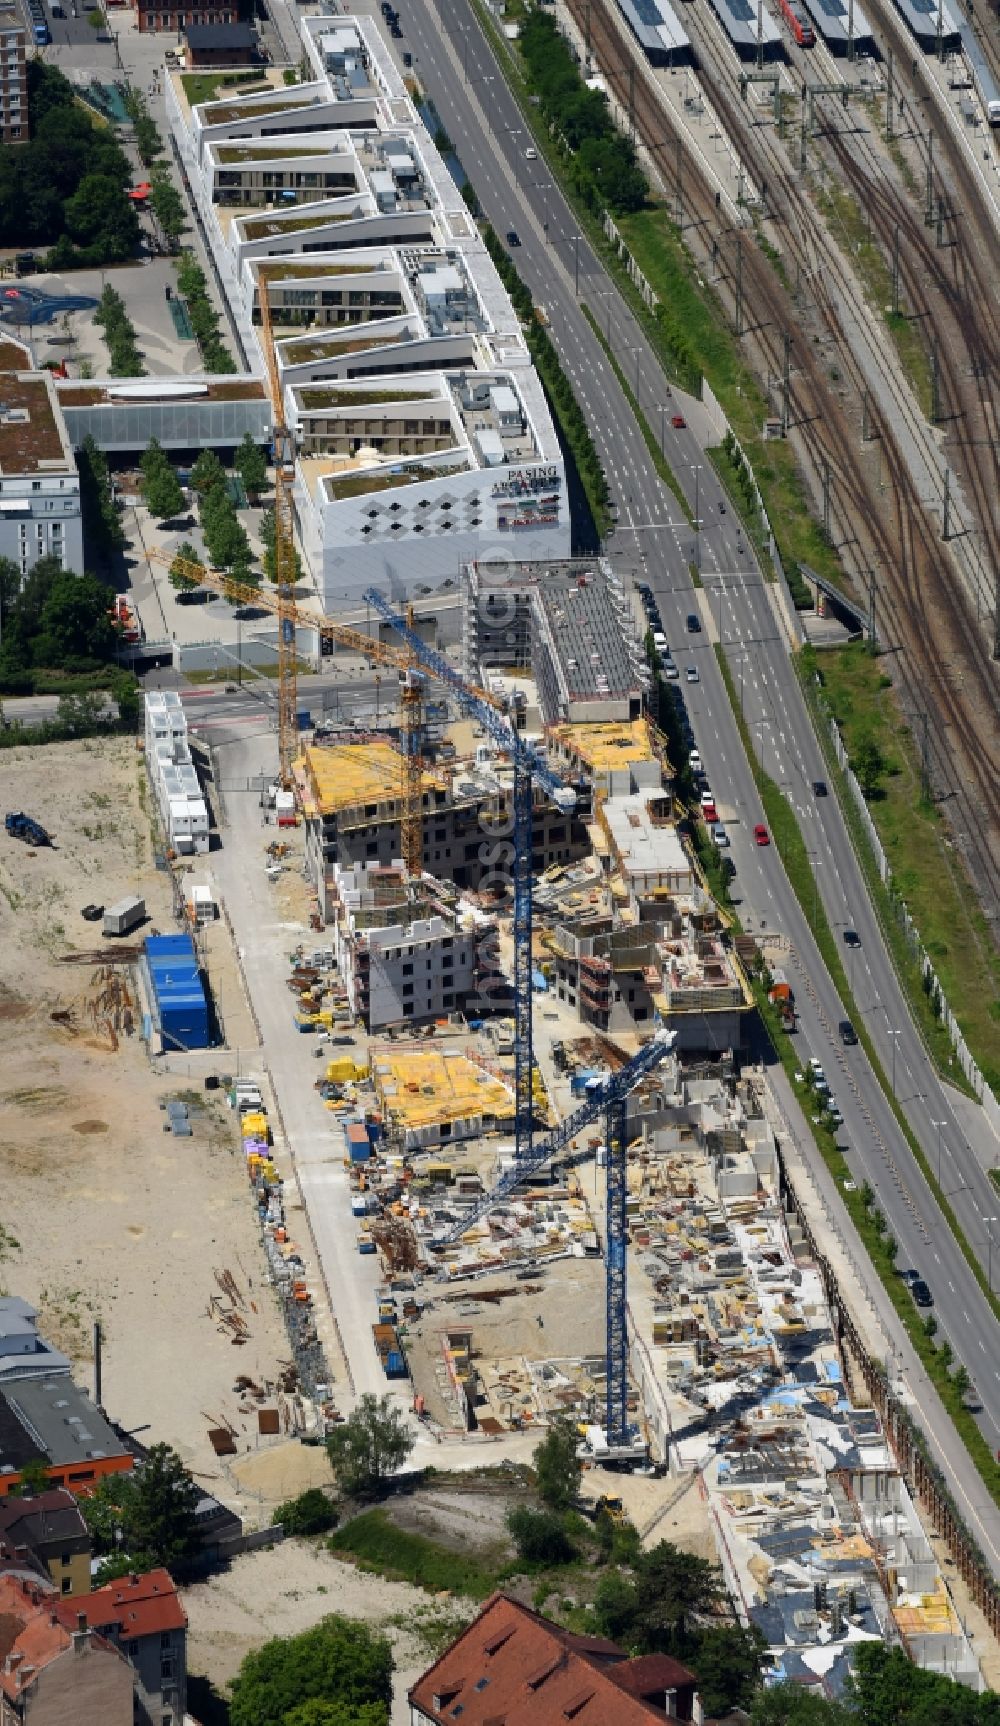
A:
{"x":395,"y":1364}
{"x":178,"y":991}
{"x":359,"y":1146}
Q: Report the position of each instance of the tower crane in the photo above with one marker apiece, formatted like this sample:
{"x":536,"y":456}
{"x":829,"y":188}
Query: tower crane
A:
{"x":356,"y":641}
{"x":528,"y":767}
{"x":610,"y":1094}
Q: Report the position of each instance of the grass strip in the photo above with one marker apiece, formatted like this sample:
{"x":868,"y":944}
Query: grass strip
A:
{"x":657,"y":457}
{"x":375,"y":1544}
{"x":691,"y":335}
{"x":929,"y":877}
{"x":880,"y":1248}
{"x":787,"y":836}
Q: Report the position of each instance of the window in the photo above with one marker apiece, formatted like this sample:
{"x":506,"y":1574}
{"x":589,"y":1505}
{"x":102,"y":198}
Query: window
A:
{"x":165,"y":1639}
{"x":67,"y":1584}
{"x":407,"y":970}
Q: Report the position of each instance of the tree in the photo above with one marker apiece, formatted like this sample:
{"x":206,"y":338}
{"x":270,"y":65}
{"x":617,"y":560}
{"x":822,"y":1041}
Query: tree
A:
{"x":793,"y":1705}
{"x":34,"y":1478}
{"x":310,"y":1513}
{"x":557,"y":1466}
{"x":251,"y":466}
{"x":655,"y":1611}
{"x":869,"y":763}
{"x":82,"y":715}
{"x":10,"y":587}
{"x":317,"y":1712}
{"x":207,"y":472}
{"x":267,"y":541}
{"x":539,"y":1536}
{"x":176,"y":575}
{"x":168,"y":206}
{"x":886,"y":1689}
{"x":161,"y":488}
{"x":100,"y":217}
{"x":148,"y":1514}
{"x":727,"y":1662}
{"x":369,"y":1447}
{"x":338,"y":1662}
{"x":74,"y":621}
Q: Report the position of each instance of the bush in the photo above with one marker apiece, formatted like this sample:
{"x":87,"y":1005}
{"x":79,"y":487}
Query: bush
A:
{"x":310,"y":1513}
{"x":539,"y":1536}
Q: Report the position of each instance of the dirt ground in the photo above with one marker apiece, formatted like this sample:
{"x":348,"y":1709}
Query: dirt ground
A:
{"x":116,"y":1220}
{"x":569,"y":1304}
{"x":290,"y":1588}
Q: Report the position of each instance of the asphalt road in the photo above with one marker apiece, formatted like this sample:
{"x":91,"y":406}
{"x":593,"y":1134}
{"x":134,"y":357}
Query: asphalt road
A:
{"x":454,"y":63}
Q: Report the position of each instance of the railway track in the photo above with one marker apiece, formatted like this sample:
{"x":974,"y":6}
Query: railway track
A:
{"x":916,"y":598}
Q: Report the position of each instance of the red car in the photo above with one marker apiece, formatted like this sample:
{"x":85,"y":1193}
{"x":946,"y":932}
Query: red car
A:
{"x":678,"y":422}
{"x":761,"y":834}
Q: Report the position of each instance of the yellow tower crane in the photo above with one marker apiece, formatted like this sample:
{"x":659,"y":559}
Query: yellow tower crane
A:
{"x":356,"y":641}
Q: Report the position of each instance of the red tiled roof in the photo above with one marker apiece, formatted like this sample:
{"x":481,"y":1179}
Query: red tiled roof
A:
{"x":31,"y":1627}
{"x":512,"y":1667}
{"x":652,"y":1674}
{"x":138,"y":1605}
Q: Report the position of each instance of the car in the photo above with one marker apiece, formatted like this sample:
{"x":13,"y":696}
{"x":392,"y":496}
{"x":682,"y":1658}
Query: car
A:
{"x":513,"y":237}
{"x":815,"y":1065}
{"x":693,"y":623}
{"x":921,"y":1293}
{"x":761,"y":834}
{"x":531,"y":154}
{"x":851,"y":938}
{"x":692,"y":674}
{"x":719,"y":836}
{"x":910,"y":1277}
{"x":848,"y":1035}
{"x":694,"y":761}
{"x":644,"y":588}
{"x":834,"y":1113}
{"x":678,"y":422}
{"x":819,"y":787}
{"x":670,"y":671}
{"x":660,"y":641}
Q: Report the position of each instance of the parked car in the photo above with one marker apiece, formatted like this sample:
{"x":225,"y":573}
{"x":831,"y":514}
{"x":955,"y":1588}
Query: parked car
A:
{"x":761,"y":834}
{"x":719,"y":836}
{"x":670,"y":671}
{"x":694,"y":761}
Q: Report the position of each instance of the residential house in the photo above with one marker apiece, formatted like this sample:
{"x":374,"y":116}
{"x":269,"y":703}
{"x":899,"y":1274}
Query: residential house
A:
{"x":51,"y":1527}
{"x":513,"y":1665}
{"x":143,"y":1617}
{"x":54,"y":1671}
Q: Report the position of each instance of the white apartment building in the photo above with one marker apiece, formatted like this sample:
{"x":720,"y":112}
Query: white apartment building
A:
{"x":174,"y":776}
{"x":422,"y":431}
{"x":39,"y":483}
{"x":400,"y":968}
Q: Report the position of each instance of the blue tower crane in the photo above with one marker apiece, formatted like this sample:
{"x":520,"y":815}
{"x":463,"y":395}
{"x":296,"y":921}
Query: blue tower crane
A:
{"x":528,"y":767}
{"x":609,"y":1093}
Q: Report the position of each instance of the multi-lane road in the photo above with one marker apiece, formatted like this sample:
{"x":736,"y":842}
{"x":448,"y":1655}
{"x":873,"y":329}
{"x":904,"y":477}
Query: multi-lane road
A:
{"x":456,"y":65}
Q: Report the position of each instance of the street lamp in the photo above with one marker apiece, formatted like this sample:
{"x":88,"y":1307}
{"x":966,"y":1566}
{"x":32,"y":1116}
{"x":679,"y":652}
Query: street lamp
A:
{"x":635,"y":352}
{"x":662,"y":410}
{"x":696,"y":470}
{"x":895,"y":1035}
{"x":989,"y":1260}
{"x":938,"y":1125}
{"x":606,"y":294}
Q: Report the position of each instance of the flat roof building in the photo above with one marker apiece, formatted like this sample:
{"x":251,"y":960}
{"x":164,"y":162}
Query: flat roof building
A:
{"x":40,"y":512}
{"x":567,"y":621}
{"x":422,"y":426}
{"x":54,"y":1422}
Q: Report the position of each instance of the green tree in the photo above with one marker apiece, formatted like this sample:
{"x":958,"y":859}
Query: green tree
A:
{"x":727,"y":1661}
{"x":82,"y":715}
{"x":100,"y":217}
{"x":207,"y":472}
{"x":339,"y":1661}
{"x":167,"y":205}
{"x":557,"y":1466}
{"x":318,"y":1712}
{"x":310,"y":1513}
{"x":793,"y":1705}
{"x":161,"y":489}
{"x":148,"y":1514}
{"x":886,"y":1689}
{"x":10,"y":587}
{"x":656,"y":1609}
{"x":251,"y":466}
{"x":369,"y":1447}
{"x":869,"y":763}
{"x":34,"y":1478}
{"x":177,"y":575}
{"x":539,"y":1536}
{"x":74,"y":621}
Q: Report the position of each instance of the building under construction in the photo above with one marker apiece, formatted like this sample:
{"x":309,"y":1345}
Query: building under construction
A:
{"x":352,"y":800}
